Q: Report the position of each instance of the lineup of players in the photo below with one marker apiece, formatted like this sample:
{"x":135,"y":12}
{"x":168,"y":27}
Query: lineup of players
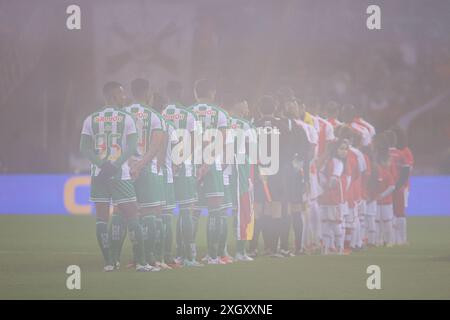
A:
{"x":340,"y":186}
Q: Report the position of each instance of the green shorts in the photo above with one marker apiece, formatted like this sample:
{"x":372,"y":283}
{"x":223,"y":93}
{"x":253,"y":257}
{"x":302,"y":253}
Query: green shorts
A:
{"x":116,"y":190}
{"x":150,"y":190}
{"x":212,"y":184}
{"x":185,"y":190}
{"x":169,"y":197}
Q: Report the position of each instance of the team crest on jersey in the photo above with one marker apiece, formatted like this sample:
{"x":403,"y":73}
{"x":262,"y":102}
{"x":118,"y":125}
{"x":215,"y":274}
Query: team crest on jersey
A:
{"x":108,"y":119}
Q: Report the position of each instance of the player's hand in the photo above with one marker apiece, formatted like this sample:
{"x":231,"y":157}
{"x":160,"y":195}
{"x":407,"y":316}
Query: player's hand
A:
{"x":136,"y":169}
{"x":176,"y":168}
{"x":201,"y":173}
{"x":107,"y":171}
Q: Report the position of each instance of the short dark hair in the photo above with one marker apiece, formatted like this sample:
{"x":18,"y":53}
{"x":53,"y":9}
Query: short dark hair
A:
{"x":109,"y":87}
{"x":139,"y":87}
{"x":267,"y":104}
{"x":173,"y":89}
{"x":229,"y":99}
{"x":203,"y":87}
{"x":159,"y":102}
{"x":348,"y":112}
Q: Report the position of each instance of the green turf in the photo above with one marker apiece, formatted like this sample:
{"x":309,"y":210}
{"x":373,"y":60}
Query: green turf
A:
{"x":36,"y":250}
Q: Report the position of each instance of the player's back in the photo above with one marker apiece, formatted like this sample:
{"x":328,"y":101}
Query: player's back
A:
{"x":109,"y":129}
{"x":180,"y":117}
{"x":147,"y":120}
{"x":210,"y":116}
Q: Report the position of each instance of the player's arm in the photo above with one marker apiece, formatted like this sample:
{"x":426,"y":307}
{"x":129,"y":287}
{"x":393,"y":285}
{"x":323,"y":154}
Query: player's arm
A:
{"x":157,"y":140}
{"x":403,"y":177}
{"x":87,"y":149}
{"x":87,"y":145}
{"x":108,"y":169}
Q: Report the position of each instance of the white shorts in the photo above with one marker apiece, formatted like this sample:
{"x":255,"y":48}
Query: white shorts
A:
{"x":330,"y":213}
{"x":362,"y":208}
{"x":371,"y":208}
{"x":385,"y":212}
{"x":349,"y":219}
{"x":316,"y":190}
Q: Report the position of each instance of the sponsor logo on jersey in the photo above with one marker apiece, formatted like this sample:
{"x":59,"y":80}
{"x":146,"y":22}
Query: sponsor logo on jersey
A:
{"x":174,"y":116}
{"x":141,"y":115}
{"x":108,"y":119}
{"x":209,"y":112}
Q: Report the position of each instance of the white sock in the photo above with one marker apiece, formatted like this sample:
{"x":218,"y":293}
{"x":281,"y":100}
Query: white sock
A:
{"x":387,"y":231}
{"x":315,"y":223}
{"x":371,"y":229}
{"x":355,"y":234}
{"x":338,"y":236}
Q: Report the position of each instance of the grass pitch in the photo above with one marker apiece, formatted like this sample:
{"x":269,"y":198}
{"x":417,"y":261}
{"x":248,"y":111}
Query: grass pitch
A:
{"x":36,"y":250}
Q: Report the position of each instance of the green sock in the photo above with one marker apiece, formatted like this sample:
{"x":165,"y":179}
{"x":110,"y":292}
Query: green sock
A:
{"x":187,"y":233}
{"x":148,"y":226}
{"x":214,"y":225}
{"x":210,"y":228}
{"x":115,"y":235}
{"x":103,"y":240}
{"x":159,"y":243}
{"x":168,"y":236}
{"x":195,"y":217}
{"x":135,"y":232}
{"x":223,"y":234}
{"x":178,"y":239}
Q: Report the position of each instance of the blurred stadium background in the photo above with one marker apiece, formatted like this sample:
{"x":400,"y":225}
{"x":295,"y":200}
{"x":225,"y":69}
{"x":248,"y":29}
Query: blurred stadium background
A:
{"x":50,"y":77}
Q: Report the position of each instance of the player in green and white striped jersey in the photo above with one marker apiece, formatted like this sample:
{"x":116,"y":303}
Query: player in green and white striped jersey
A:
{"x":108,"y":139}
{"x":244,"y":136}
{"x":184,"y":177}
{"x":210,"y":177}
{"x":149,"y":180}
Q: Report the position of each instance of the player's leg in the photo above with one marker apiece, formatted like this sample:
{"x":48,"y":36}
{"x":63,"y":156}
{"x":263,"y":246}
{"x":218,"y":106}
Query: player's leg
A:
{"x":286,"y":221}
{"x":167,"y":214}
{"x":327,"y":229}
{"x":370,"y":223}
{"x":102,"y":217}
{"x":297,"y":224}
{"x":316,"y":224}
{"x":253,"y":246}
{"x":223,"y":232}
{"x":213,"y":190}
{"x":149,"y":195}
{"x":117,"y":235}
{"x":101,"y":196}
{"x":349,"y":227}
{"x":387,"y":216}
{"x":356,"y":228}
{"x":124,"y":197}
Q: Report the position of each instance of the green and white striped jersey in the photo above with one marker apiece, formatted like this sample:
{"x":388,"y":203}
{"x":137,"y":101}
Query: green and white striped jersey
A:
{"x":211,"y":117}
{"x":147,"y":121}
{"x":171,"y":140}
{"x":181,"y":118}
{"x":247,"y":130}
{"x":109,"y":129}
